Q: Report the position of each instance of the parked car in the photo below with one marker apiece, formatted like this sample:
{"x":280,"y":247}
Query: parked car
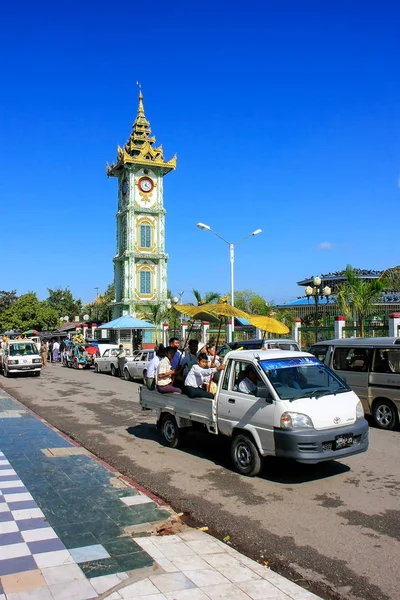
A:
{"x":258,"y":344}
{"x":108,"y":362}
{"x":137,"y":367}
{"x":20,"y":356}
{"x":371,"y":367}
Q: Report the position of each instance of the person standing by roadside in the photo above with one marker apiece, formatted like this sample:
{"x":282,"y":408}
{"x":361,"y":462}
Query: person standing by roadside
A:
{"x":43,"y":353}
{"x":62,"y":350}
{"x":121,"y":360}
{"x":56,"y":349}
{"x":50,"y":351}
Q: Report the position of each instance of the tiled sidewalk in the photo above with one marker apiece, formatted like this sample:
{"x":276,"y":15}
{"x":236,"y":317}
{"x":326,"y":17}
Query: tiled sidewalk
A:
{"x":67,"y":524}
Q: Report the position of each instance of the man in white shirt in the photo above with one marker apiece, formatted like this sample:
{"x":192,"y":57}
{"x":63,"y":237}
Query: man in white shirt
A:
{"x":121,"y":356}
{"x":198,"y":375}
{"x":152,"y":366}
{"x":165,"y":374}
{"x":248,"y":385}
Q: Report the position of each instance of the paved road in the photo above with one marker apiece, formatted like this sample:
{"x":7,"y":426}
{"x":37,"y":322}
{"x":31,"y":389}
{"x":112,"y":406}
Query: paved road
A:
{"x":337,"y":525}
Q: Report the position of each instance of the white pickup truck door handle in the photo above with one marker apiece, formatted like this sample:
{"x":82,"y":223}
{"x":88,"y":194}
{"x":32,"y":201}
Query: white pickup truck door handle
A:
{"x":231,"y":401}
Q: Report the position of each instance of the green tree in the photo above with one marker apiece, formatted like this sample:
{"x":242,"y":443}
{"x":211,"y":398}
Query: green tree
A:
{"x":356,"y":296}
{"x":100,"y":308}
{"x":6,"y":299}
{"x":153,"y":313}
{"x":64,"y":303}
{"x":252,"y":303}
{"x":29,"y":313}
{"x":209,"y":297}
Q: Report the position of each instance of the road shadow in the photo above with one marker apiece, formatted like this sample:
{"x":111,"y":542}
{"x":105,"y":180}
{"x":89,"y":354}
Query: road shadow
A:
{"x":217,"y":450}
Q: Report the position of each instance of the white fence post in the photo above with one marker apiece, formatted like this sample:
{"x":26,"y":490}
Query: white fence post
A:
{"x":340,"y":322}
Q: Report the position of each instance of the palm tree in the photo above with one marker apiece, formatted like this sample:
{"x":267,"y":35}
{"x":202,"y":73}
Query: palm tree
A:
{"x":209,"y":297}
{"x":154,"y":313}
{"x":356,"y":296}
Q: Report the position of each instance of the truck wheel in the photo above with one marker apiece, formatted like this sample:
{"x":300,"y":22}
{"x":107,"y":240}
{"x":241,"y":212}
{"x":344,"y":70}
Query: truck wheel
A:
{"x":114,"y":371}
{"x":385,"y":414}
{"x":245,"y":456}
{"x":96,"y":368}
{"x":36,"y":373}
{"x":5,"y":372}
{"x":171,"y":433}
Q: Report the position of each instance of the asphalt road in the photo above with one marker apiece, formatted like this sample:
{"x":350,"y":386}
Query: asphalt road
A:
{"x":336,"y":527}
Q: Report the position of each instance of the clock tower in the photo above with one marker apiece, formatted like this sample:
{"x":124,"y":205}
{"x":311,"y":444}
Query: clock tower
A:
{"x":140,"y":264}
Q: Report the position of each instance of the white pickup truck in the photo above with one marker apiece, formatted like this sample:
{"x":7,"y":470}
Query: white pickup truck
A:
{"x":270,"y":403}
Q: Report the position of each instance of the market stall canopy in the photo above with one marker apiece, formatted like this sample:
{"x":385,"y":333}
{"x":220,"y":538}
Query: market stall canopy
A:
{"x":127,"y":322}
{"x":268,"y":324}
{"x":30,"y":332}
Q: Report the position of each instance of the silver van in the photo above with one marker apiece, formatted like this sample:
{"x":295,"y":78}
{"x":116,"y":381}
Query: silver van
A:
{"x":371,"y":367}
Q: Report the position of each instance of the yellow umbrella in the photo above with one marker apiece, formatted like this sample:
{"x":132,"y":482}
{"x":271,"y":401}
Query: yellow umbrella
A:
{"x":224,"y":310}
{"x":268,"y":324}
{"x":194,"y":312}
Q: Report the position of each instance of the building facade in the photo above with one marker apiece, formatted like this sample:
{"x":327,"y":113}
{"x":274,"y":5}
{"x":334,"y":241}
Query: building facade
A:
{"x":140,"y":263}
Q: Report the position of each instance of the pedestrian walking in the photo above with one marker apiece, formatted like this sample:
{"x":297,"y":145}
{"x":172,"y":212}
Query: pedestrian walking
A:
{"x":56,"y":349}
{"x":50,"y":351}
{"x":43,"y":353}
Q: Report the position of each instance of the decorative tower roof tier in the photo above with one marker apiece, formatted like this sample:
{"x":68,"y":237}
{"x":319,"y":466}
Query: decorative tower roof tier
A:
{"x":139,"y":149}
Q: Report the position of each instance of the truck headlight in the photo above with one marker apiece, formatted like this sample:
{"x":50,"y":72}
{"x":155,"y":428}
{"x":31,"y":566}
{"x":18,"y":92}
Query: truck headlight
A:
{"x":359,"y":411}
{"x":12,"y":362}
{"x":293,"y":420}
{"x":37,"y":360}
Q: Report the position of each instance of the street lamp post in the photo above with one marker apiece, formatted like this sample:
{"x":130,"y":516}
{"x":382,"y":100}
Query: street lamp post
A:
{"x":318,"y":294}
{"x":97,"y":305}
{"x":231,"y":260}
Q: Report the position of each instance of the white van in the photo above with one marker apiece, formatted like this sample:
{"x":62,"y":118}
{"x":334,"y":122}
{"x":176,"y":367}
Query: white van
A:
{"x":371,"y":367}
{"x":20,"y":356}
{"x":298,"y":409}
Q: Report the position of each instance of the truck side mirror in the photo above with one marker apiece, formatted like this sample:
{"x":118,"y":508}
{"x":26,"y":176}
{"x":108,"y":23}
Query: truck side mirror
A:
{"x":263,"y":392}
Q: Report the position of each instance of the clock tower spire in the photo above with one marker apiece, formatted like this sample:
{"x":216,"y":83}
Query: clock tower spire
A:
{"x":140,"y":263}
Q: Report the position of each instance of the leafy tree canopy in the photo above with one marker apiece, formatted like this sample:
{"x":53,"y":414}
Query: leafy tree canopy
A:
{"x":252,"y":303}
{"x":100,"y":308}
{"x":63,"y":302}
{"x":29,"y":313}
{"x":6,"y":299}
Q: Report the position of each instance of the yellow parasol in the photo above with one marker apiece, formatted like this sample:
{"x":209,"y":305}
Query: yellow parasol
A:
{"x":268,"y":324}
{"x":224,"y":310}
{"x":194,"y":312}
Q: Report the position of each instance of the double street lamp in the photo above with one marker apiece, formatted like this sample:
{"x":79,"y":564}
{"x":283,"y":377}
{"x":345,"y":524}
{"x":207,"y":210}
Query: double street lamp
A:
{"x":231,"y":260}
{"x":318,"y":294}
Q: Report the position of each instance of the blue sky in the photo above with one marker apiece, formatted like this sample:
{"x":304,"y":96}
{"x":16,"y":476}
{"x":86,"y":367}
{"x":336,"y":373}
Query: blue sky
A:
{"x":285,"y":116}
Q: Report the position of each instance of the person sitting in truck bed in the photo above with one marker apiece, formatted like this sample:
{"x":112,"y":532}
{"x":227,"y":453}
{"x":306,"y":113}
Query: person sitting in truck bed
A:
{"x":165,"y":373}
{"x":197,"y":377}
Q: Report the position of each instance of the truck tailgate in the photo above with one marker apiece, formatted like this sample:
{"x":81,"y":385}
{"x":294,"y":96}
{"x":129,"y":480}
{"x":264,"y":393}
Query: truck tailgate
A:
{"x":196,"y":409}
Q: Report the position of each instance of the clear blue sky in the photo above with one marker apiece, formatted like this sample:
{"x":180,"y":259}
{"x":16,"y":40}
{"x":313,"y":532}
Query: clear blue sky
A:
{"x":285,"y":115}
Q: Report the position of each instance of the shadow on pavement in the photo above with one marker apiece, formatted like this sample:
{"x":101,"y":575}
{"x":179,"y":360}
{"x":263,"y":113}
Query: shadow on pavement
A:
{"x":217,"y":450}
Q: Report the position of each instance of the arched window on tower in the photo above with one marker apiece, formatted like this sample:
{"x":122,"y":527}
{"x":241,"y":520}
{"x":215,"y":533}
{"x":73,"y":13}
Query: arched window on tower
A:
{"x":145,"y":235}
{"x":145,"y":281}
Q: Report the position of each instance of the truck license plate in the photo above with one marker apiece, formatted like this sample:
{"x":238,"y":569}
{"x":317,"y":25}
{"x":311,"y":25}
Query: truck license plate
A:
{"x":343,"y":441}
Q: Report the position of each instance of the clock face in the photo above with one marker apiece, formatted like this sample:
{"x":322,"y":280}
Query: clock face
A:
{"x":145,"y":184}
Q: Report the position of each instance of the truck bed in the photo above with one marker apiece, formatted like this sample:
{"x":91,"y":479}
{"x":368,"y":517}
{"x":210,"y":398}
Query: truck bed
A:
{"x":199,"y":410}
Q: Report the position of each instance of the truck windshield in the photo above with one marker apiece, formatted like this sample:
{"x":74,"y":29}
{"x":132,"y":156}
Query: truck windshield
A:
{"x":23,"y":349}
{"x":302,"y":377}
